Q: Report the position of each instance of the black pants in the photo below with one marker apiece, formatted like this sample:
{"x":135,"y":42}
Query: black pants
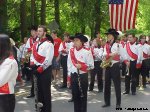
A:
{"x":25,"y":71}
{"x":7,"y":103}
{"x":144,"y":72}
{"x":132,"y":76}
{"x":114,"y":74}
{"x":96,"y":71}
{"x":32,"y":85}
{"x":64,"y":66}
{"x":80,"y":104}
{"x":123,"y":68}
{"x":44,"y":89}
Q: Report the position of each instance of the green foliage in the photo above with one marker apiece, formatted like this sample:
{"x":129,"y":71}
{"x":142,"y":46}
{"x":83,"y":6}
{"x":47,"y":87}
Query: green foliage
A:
{"x":75,"y":16}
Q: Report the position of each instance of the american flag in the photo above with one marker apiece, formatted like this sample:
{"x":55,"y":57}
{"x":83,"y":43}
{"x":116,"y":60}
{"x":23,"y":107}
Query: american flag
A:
{"x":123,"y":14}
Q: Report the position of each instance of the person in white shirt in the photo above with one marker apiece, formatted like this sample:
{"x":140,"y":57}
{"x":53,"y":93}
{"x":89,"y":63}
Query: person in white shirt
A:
{"x":97,"y":51}
{"x":112,"y":52}
{"x":144,"y":55}
{"x":133,"y":61}
{"x":9,"y":72}
{"x":80,"y":60}
{"x":40,"y":62}
{"x":63,"y":53}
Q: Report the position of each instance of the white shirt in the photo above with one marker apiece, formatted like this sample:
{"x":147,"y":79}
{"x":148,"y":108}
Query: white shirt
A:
{"x":116,"y":48}
{"x":46,"y":50}
{"x":23,"y":50}
{"x":8,"y":74}
{"x":68,"y":47}
{"x":82,"y":55}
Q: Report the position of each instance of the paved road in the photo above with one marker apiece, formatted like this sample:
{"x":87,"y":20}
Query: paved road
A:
{"x":95,"y":100}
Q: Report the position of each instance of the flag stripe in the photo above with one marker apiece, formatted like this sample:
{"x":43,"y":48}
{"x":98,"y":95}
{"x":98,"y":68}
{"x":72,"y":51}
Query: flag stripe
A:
{"x":123,"y":15}
{"x":130,"y":14}
{"x":134,"y":18}
{"x":119,"y":16}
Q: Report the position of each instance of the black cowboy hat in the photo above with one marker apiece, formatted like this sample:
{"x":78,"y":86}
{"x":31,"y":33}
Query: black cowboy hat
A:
{"x":81,"y":37}
{"x":112,"y":31}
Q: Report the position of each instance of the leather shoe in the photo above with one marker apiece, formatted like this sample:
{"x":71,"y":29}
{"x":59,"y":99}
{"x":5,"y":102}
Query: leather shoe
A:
{"x":118,"y":106}
{"x":106,"y":105}
{"x":70,"y":100}
{"x":90,"y":89}
{"x":125,"y":92}
{"x":30,"y":96}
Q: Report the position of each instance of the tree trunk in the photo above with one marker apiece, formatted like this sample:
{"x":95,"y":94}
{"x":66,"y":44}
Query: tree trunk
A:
{"x":23,"y":19}
{"x":57,"y":13}
{"x":43,"y":12}
{"x":97,"y":16}
{"x":33,"y":12}
{"x":3,"y":16}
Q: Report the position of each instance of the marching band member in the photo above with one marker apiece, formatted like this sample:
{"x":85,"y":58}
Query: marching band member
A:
{"x":79,"y":60}
{"x":144,"y":54}
{"x":123,"y":42}
{"x":23,"y":49}
{"x":64,"y":50}
{"x":9,"y":72}
{"x":41,"y":61}
{"x":28,"y":47}
{"x":112,"y":52}
{"x":97,"y":52}
{"x":32,"y":39}
{"x":132,"y":60}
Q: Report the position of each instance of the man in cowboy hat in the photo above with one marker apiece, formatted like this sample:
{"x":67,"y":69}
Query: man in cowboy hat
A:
{"x":79,"y":60}
{"x":112,"y":52}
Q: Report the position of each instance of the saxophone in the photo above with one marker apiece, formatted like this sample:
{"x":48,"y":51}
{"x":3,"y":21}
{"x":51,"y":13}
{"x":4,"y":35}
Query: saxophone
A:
{"x":106,"y":63}
{"x":27,"y":57}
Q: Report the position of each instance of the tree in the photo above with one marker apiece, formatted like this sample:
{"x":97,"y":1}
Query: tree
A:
{"x":57,"y":12}
{"x":3,"y":16}
{"x":43,"y":12}
{"x":23,"y":19}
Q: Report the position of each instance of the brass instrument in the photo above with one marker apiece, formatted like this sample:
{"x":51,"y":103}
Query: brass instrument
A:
{"x":27,"y":57}
{"x":127,"y":71}
{"x":106,"y":63}
{"x":141,"y":88}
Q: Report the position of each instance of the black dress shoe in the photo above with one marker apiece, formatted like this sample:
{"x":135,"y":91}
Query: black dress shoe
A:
{"x":125,"y":92}
{"x":70,"y":100}
{"x":30,"y":96}
{"x":133,"y":93}
{"x":118,"y":106}
{"x":106,"y":105}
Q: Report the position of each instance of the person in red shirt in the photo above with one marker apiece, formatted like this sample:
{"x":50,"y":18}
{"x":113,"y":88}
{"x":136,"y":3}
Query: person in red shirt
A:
{"x":55,"y":62}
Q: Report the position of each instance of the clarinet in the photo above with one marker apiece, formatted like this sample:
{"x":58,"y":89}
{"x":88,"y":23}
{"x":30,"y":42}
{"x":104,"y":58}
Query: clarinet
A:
{"x":79,"y":82}
{"x":38,"y":104}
